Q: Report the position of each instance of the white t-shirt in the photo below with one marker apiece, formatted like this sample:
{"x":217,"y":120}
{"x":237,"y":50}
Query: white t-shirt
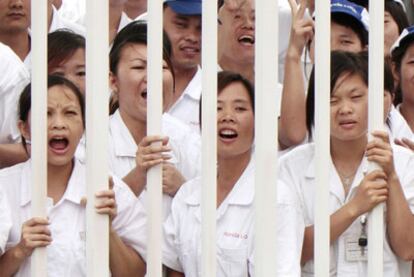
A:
{"x":186,"y":150}
{"x":297,"y":169}
{"x":187,"y":107}
{"x":66,"y":254}
{"x":234,"y":233}
{"x":13,"y":78}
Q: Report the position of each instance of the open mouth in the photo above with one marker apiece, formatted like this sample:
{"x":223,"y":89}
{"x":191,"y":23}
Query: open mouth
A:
{"x":144,"y":94}
{"x":59,"y":144}
{"x":247,"y":40}
{"x":228,"y":134}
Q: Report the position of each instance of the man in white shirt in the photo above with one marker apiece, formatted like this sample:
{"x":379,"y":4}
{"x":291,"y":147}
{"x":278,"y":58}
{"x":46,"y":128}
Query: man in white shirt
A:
{"x":182,"y":23}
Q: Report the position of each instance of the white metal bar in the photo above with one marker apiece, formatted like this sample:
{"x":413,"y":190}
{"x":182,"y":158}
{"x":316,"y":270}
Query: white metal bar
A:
{"x":376,"y":122}
{"x":209,"y":145}
{"x":154,"y":113}
{"x":322,"y":136}
{"x":39,"y":126}
{"x":265,"y":136}
{"x":97,"y":72}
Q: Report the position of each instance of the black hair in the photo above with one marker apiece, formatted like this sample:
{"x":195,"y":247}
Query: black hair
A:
{"x":135,"y":33}
{"x":398,"y":14}
{"x":350,"y":22}
{"x":362,"y":3}
{"x":224,"y":79}
{"x":341,"y":62}
{"x":220,"y":3}
{"x":25,"y":100}
{"x":61,"y":45}
{"x":397,"y":55}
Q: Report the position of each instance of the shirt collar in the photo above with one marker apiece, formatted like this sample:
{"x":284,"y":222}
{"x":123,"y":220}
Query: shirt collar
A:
{"x":122,"y":140}
{"x":125,"y":20}
{"x":74,"y":191}
{"x":338,"y":191}
{"x":193,"y":89}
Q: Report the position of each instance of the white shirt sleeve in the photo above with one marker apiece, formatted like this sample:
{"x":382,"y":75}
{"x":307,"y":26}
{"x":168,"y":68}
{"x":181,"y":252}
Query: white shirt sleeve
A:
{"x":5,"y":221}
{"x":130,"y":222}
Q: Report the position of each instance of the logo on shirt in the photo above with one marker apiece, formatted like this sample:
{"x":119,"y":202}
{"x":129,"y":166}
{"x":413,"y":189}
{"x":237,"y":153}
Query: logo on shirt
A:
{"x":236,"y":235}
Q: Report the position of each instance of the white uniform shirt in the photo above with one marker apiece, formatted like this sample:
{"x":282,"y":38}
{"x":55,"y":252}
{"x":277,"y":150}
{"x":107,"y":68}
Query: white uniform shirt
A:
{"x":13,"y":78}
{"x":186,"y":155}
{"x":67,"y":254}
{"x":399,"y":126}
{"x":187,"y":107}
{"x":297,"y":170}
{"x":5,"y":221}
{"x":235,"y":230}
{"x":58,"y":22}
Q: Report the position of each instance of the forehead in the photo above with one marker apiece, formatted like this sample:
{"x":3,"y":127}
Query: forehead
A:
{"x":235,"y":91}
{"x":348,"y":82}
{"x":62,"y":95}
{"x":134,"y":50}
{"x":338,"y":30}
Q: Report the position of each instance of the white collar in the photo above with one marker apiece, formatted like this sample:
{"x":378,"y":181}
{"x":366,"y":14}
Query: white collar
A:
{"x":74,"y":191}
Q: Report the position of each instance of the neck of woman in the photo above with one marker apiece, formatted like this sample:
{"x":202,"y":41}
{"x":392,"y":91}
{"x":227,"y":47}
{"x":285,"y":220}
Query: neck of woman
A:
{"x":348,"y":151}
{"x":58,"y":179}
{"x":137,"y":128}
{"x":229,"y":170}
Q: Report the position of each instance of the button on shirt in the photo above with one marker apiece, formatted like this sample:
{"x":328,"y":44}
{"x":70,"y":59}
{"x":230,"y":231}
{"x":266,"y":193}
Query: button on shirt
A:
{"x":235,"y":230}
{"x":13,"y":78}
{"x":184,"y":143}
{"x":297,"y":169}
{"x":187,"y":107}
{"x":67,"y":255}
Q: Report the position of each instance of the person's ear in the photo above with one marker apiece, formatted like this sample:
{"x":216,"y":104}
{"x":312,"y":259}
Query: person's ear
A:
{"x":24,"y":129}
{"x":113,"y":83}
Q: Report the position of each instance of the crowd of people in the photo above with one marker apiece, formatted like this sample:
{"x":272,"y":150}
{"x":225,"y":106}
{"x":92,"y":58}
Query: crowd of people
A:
{"x":354,"y":190}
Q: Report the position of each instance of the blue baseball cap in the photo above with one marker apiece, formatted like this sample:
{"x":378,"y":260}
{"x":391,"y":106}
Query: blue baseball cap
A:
{"x":354,"y":10}
{"x":406,"y":35}
{"x":185,"y":7}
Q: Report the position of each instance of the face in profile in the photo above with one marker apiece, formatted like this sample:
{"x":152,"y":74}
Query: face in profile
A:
{"x":130,"y":83}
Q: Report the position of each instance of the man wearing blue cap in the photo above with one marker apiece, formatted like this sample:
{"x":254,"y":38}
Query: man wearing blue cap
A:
{"x":182,"y":23}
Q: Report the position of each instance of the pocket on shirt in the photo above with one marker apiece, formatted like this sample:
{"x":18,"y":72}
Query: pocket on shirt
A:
{"x":233,"y":262}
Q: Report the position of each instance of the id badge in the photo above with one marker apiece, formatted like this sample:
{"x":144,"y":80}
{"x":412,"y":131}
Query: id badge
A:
{"x":354,"y":252}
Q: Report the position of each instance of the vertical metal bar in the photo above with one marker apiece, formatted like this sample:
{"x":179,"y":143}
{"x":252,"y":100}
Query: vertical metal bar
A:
{"x":39,"y":126}
{"x":154,"y":113}
{"x":209,"y":145}
{"x":376,"y":122}
{"x":266,"y":136}
{"x":97,"y":72}
{"x":322,"y":136}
